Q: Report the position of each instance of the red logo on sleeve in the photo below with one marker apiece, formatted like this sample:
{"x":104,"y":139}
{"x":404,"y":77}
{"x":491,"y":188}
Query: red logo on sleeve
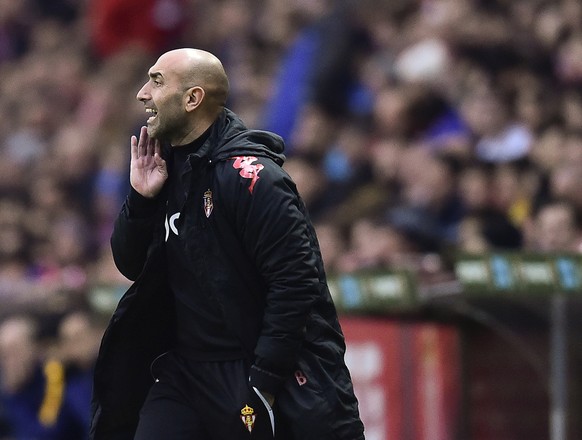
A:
{"x":247,"y":169}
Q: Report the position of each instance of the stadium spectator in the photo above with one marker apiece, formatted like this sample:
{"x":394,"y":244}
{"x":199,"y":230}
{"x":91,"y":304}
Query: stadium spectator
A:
{"x":78,"y":342}
{"x":556,"y":228}
{"x":33,"y":388}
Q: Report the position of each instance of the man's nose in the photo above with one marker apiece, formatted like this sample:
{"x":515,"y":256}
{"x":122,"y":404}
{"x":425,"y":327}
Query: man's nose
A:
{"x":143,"y":94}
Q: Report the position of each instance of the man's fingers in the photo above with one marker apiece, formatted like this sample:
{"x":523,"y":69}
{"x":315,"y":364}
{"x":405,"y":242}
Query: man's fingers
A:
{"x":157,"y":148}
{"x":143,"y":141}
{"x":150,"y":148}
{"x":133,"y":147}
{"x":160,"y":163}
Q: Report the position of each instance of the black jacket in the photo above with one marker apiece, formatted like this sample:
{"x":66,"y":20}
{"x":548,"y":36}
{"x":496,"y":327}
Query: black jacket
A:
{"x":255,"y":252}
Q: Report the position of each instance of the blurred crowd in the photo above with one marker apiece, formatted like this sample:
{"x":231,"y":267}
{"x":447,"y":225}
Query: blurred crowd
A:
{"x":415,"y":129}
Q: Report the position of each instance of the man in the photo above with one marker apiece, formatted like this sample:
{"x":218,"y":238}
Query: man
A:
{"x":229,"y":304}
{"x":555,"y":228}
{"x":33,"y":389}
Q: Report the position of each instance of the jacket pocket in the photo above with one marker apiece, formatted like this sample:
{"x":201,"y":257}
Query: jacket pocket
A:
{"x":268,"y":407}
{"x":302,"y":404}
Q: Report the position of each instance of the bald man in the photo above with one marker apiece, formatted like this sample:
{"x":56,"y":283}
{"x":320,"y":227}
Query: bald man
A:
{"x":229,"y":330}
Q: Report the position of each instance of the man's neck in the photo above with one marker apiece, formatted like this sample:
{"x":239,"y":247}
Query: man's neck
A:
{"x":198,"y":130}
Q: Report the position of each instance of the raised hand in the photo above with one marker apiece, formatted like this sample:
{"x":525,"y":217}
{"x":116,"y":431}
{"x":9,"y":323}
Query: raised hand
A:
{"x":148,"y":170}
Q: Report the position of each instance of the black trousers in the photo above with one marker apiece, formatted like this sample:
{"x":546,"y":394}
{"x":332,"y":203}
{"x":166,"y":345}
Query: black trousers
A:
{"x":193,"y":400}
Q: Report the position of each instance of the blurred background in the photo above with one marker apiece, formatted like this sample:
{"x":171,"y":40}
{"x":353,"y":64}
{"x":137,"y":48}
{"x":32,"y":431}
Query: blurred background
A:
{"x":417,"y":131}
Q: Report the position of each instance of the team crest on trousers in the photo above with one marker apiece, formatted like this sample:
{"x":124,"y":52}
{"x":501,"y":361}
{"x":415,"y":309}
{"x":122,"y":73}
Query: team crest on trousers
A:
{"x":208,"y":203}
{"x":247,"y":415}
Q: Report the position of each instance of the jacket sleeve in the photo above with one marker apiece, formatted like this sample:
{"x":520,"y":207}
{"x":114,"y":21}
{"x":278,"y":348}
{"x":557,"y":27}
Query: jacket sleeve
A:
{"x":270,"y":220}
{"x":133,"y":233}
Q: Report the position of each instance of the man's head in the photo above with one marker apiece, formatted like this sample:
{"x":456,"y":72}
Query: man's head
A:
{"x":557,"y":227}
{"x":79,"y":339}
{"x":185,"y":92}
{"x":18,"y":352}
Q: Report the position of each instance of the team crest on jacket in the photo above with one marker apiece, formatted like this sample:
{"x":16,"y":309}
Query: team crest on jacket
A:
{"x":247,"y":415}
{"x":247,"y":169}
{"x":208,"y":203}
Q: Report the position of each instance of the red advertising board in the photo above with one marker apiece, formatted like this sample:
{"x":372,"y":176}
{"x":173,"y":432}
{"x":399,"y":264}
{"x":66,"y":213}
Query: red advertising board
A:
{"x":406,"y":376}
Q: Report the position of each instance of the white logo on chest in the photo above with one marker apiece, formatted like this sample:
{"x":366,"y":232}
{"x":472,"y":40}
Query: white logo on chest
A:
{"x":171,"y":224}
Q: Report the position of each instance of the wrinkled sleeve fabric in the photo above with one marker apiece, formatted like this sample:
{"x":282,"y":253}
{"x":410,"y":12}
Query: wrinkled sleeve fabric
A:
{"x":271,"y":223}
{"x":133,"y":233}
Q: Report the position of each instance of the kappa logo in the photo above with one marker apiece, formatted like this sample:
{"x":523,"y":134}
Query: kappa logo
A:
{"x":247,"y":169}
{"x":248,"y":417}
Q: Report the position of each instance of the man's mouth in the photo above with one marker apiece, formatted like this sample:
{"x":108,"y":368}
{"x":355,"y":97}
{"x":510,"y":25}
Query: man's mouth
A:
{"x":153,"y":113}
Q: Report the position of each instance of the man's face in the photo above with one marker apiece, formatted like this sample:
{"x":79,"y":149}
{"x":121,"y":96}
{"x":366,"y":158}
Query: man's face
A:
{"x":163,"y":96}
{"x":556,"y":229}
{"x":17,"y":354}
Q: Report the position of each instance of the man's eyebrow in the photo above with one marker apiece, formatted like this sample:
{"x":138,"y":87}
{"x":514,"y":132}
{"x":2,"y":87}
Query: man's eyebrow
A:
{"x":155,"y":75}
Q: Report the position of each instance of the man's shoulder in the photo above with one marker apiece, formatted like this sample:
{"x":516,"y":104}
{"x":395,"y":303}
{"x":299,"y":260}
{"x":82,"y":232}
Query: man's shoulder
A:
{"x":249,"y":170}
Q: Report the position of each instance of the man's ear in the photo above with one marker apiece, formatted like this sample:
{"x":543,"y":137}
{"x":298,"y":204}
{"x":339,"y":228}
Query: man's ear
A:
{"x":193,"y":98}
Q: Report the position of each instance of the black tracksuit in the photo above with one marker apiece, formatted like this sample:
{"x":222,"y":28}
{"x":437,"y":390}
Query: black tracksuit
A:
{"x":253,"y":253}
